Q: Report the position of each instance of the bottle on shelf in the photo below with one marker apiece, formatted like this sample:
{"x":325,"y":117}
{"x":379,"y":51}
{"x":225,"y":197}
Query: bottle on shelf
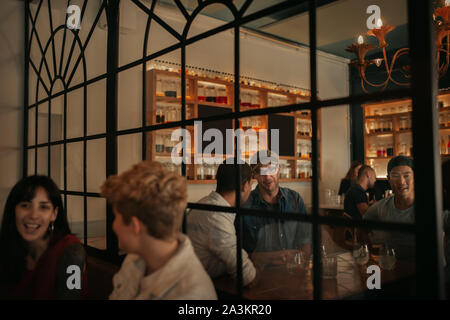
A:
{"x":159,"y":144}
{"x":390,"y":150}
{"x":448,"y":145}
{"x":200,"y":172}
{"x":159,"y":88}
{"x":201,"y":96}
{"x":222,"y":95}
{"x":443,"y":146}
{"x":379,"y":151}
{"x":211,"y":94}
{"x":170,"y":88}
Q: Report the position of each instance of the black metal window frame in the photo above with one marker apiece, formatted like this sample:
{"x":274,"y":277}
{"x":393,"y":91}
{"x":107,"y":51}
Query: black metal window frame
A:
{"x":423,"y":92}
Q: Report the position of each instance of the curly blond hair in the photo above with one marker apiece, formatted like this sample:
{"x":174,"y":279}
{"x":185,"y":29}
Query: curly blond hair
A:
{"x":154,"y":195}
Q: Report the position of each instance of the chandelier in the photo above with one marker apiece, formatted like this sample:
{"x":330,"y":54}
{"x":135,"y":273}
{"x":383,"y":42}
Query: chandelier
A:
{"x":441,"y":18}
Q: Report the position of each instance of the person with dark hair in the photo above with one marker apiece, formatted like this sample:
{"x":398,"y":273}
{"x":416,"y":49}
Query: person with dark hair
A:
{"x":350,"y":178}
{"x":213,"y":234}
{"x":397,"y":208}
{"x":272,"y":240}
{"x":356,"y":202}
{"x":37,"y":246}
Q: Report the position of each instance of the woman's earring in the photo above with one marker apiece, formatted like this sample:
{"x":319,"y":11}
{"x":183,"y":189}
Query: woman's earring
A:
{"x":52,"y":226}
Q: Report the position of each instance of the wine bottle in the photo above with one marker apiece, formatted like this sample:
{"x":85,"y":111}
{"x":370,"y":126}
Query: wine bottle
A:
{"x":443,"y":146}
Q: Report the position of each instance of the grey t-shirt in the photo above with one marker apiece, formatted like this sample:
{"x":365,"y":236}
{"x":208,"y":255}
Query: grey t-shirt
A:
{"x":403,"y":243}
{"x":385,"y":210}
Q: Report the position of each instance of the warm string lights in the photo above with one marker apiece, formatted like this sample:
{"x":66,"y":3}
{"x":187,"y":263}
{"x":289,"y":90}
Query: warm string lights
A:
{"x":441,"y":18}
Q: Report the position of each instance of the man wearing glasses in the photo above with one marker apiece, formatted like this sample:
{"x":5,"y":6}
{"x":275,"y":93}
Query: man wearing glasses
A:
{"x":272,"y":240}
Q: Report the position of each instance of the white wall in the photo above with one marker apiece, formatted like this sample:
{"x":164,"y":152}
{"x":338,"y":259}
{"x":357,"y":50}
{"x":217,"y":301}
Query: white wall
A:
{"x":11,"y":95}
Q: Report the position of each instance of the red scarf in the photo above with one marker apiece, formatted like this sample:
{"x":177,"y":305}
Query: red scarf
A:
{"x":40,"y":283}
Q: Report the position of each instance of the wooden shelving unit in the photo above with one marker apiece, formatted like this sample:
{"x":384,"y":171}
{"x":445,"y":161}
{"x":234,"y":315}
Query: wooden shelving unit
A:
{"x":196,"y":107}
{"x":398,"y":133}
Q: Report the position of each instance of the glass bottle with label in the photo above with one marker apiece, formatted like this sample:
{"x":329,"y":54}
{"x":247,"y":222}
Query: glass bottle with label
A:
{"x":443,"y":146}
{"x":201,"y":95}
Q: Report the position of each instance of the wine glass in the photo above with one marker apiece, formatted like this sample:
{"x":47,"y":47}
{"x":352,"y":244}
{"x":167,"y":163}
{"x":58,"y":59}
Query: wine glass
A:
{"x":295,"y":262}
{"x":387,"y":257}
{"x":361,"y":254}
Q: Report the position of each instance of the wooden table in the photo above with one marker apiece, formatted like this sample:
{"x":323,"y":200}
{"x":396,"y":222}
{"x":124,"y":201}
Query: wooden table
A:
{"x":278,"y":284}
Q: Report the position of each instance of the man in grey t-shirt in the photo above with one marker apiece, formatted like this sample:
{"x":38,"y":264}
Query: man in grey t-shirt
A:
{"x":398,"y":208}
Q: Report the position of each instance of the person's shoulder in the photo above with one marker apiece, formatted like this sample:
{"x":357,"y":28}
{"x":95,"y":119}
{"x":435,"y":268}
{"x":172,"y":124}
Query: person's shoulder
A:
{"x":377,"y":209}
{"x":291,"y":194}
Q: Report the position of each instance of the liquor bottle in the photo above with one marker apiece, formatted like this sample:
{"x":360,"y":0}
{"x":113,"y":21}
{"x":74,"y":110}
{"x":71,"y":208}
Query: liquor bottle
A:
{"x":448,"y":145}
{"x":443,"y":146}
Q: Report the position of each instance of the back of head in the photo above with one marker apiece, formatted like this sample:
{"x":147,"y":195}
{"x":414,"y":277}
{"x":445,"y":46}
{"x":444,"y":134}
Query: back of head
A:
{"x":226,"y":176}
{"x":154,"y":195}
{"x":363,"y":171}
{"x":400,"y":161}
{"x":351,"y":174}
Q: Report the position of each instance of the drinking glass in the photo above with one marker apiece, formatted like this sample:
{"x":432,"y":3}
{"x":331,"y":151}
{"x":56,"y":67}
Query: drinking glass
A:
{"x":387,"y":257}
{"x":295,"y":262}
{"x":361,"y":254}
{"x":329,"y":267}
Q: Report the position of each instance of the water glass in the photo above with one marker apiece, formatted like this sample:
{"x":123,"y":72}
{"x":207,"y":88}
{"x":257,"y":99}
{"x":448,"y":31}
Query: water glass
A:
{"x":295,"y":263}
{"x":329,"y":267}
{"x":387,"y":258}
{"x":361,"y":254}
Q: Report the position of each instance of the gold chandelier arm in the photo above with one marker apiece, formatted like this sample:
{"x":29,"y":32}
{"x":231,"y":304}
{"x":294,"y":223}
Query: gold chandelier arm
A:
{"x":375,"y":84}
{"x":362,"y":86}
{"x":397,"y":55}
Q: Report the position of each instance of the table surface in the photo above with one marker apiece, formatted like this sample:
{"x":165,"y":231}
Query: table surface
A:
{"x":277,"y":283}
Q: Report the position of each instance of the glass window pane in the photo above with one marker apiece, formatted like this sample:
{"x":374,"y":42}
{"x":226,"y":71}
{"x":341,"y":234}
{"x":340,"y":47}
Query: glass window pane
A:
{"x":31,"y":170}
{"x":96,"y":213}
{"x":96,"y":164}
{"x":75,"y":113}
{"x":43,"y":123}
{"x":75,"y":166}
{"x":75,"y":215}
{"x":130,"y":98}
{"x":32,"y":126}
{"x":57,"y":165}
{"x":42,"y":161}
{"x":129,"y":149}
{"x":96,"y":108}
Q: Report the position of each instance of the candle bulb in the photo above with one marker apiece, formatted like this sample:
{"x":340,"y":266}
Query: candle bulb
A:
{"x":360,"y":40}
{"x":447,"y":2}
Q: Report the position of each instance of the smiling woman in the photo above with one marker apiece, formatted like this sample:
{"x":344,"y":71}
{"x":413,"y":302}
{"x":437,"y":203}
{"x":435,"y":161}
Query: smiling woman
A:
{"x":36,"y":245}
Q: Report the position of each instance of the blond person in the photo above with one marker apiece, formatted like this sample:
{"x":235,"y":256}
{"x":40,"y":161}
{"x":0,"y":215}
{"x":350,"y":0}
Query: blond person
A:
{"x":148,"y":202}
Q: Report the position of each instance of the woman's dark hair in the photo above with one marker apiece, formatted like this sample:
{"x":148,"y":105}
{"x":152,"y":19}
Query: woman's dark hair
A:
{"x":12,"y":247}
{"x":351,"y":172}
